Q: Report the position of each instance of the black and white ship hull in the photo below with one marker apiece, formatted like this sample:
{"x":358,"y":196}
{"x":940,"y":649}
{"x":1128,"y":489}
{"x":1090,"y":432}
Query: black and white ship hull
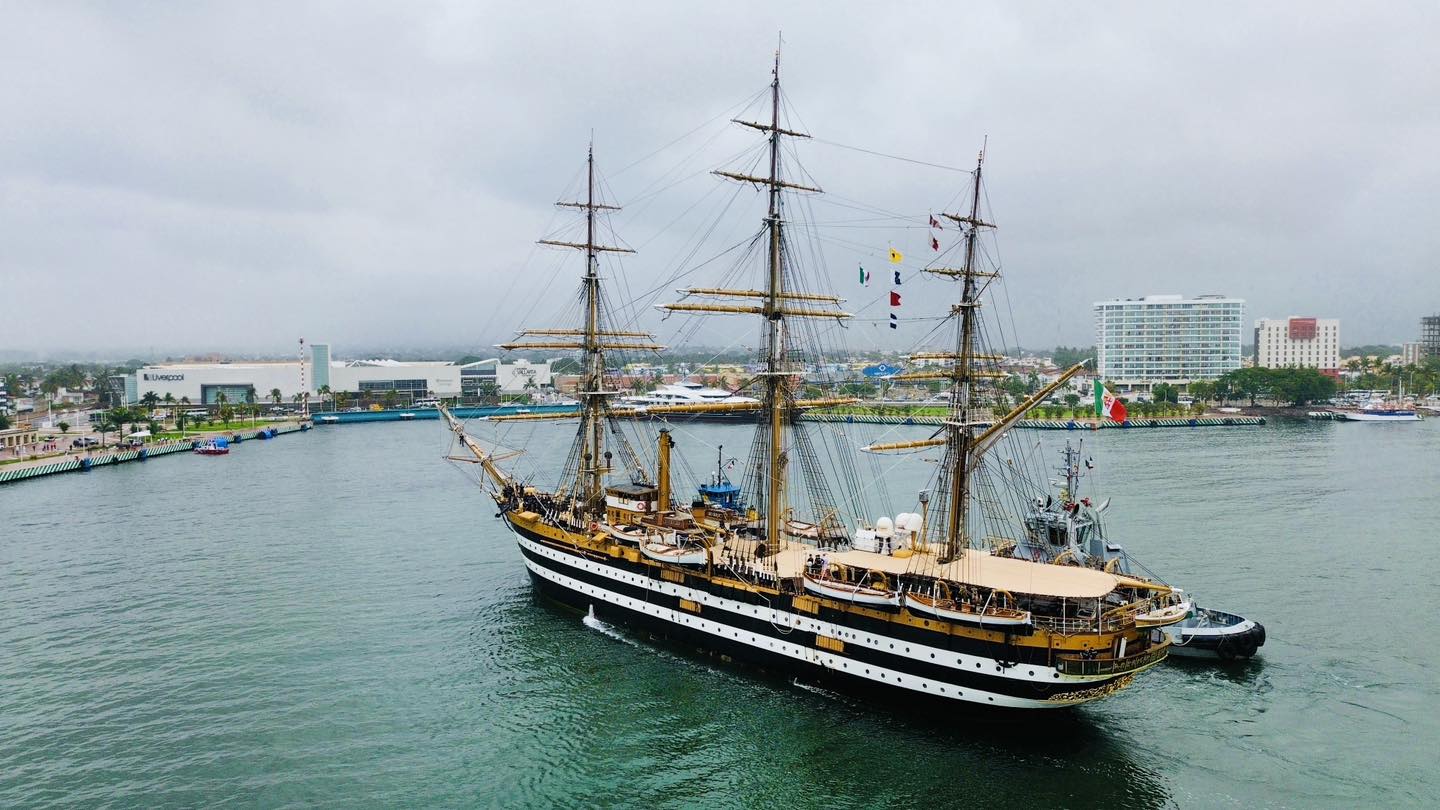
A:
{"x":834,"y":646}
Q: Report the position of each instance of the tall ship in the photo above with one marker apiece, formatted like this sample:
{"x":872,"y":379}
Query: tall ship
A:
{"x":788,"y":571}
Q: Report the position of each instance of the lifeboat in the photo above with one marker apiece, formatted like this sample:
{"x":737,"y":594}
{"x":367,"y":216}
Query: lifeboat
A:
{"x":1164,"y":616}
{"x":939,"y":605}
{"x":675,"y":554}
{"x":625,"y":533}
{"x":878,"y":595}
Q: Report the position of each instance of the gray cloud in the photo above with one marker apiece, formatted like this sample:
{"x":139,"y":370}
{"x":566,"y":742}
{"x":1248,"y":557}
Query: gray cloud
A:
{"x":233,"y":176}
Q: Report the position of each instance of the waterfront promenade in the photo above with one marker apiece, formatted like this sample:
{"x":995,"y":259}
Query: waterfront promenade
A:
{"x":74,"y":460}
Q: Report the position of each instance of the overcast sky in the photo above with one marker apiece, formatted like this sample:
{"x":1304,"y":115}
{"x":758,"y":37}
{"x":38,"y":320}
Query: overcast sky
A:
{"x":198,"y":177}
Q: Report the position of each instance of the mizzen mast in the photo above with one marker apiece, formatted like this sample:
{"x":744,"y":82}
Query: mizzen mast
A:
{"x":960,"y":439}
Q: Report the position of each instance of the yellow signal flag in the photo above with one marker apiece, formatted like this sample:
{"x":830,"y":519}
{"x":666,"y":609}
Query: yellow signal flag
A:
{"x":896,"y":256}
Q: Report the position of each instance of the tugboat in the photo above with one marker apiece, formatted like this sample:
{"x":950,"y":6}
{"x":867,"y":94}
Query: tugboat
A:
{"x":1070,"y":531}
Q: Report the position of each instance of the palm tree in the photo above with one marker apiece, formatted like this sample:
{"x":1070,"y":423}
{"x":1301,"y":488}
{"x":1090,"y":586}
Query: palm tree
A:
{"x":150,"y":400}
{"x":180,"y":419}
{"x":390,"y":397}
{"x":275,"y":395}
{"x":170,"y":404}
{"x":250,"y":403}
{"x":341,"y":400}
{"x":324,"y":392}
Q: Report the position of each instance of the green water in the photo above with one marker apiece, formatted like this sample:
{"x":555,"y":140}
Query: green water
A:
{"x":336,"y":619}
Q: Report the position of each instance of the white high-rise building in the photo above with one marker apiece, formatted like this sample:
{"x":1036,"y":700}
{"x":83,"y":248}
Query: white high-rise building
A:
{"x":1298,"y":343}
{"x":1167,"y":338}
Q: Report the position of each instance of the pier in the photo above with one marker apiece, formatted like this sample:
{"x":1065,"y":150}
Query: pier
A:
{"x":1046,"y":424}
{"x":64,"y":463}
{"x":410,"y":414}
{"x":402,"y":415}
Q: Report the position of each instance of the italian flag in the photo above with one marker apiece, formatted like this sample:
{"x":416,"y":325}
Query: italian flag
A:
{"x":1107,"y":405}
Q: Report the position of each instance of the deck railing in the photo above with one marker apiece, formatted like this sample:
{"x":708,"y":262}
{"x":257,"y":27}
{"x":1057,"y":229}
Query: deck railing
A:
{"x":1078,"y":626}
{"x":1074,"y":665}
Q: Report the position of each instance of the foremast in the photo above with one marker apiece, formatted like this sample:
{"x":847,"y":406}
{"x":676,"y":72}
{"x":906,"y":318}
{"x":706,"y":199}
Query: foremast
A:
{"x":590,"y":462}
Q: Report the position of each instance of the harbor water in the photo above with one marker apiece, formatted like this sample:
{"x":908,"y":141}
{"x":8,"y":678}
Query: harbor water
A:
{"x":338,"y":620}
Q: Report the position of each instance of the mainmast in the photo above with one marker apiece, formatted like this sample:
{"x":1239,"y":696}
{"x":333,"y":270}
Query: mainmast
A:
{"x":775,"y":303}
{"x":592,"y":465}
{"x":775,"y":384}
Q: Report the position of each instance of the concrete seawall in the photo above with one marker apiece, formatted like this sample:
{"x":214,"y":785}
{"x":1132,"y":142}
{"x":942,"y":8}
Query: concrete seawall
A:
{"x":1047,"y":424}
{"x":408,"y":414}
{"x":348,"y":417}
{"x":10,"y":474}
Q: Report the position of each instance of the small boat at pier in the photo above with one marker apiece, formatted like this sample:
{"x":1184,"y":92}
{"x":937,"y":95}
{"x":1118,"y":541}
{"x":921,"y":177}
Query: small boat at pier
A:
{"x":218,"y":446}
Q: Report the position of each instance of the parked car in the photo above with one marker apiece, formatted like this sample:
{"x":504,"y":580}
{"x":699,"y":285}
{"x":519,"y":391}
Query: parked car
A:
{"x":85,"y":441}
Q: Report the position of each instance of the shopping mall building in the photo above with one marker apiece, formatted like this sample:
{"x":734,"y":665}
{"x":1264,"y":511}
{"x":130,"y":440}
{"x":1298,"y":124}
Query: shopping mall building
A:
{"x":202,"y":383}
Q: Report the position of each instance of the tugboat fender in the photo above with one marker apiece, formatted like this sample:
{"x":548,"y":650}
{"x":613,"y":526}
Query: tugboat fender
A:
{"x":1225,"y":649}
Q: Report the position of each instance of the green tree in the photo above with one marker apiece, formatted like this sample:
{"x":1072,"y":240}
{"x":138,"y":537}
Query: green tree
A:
{"x":150,"y":400}
{"x":1067,"y":356}
{"x":4,"y":421}
{"x":1164,"y":392}
{"x":64,"y":427}
{"x":1249,"y":383}
{"x":1072,"y":399}
{"x":275,"y":395}
{"x":226,"y":414}
{"x":342,"y":399}
{"x":391,"y":397}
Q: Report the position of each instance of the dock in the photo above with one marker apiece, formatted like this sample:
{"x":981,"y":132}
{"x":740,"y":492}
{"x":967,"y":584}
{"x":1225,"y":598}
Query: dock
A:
{"x":1046,"y":424}
{"x":68,"y":462}
{"x":401,"y":415}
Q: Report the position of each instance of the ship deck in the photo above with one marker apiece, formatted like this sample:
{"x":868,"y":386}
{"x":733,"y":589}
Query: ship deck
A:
{"x":974,"y":568}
